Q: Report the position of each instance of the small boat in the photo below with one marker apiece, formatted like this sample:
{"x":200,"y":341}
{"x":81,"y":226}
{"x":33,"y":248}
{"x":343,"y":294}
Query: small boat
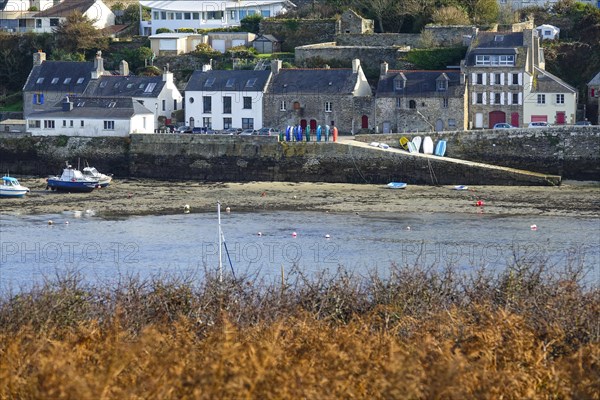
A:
{"x":404,"y":142}
{"x":417,"y":141}
{"x":412,"y":148}
{"x":460,"y":187}
{"x":103,"y":179}
{"x":10,"y":187}
{"x":384,"y":146}
{"x":396,"y":185}
{"x":72,"y":180}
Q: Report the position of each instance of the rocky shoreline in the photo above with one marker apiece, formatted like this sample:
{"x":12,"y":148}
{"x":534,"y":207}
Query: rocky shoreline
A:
{"x":151,"y":197}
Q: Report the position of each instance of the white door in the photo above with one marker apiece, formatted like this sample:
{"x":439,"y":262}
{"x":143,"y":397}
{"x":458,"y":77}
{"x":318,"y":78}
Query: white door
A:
{"x":387,"y":127}
{"x":238,"y":42}
{"x":219,"y":45}
{"x":167,"y":44}
{"x":479,"y":120}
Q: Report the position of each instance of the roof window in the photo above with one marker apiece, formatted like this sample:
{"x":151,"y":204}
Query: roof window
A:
{"x":40,"y":81}
{"x":103,"y":84}
{"x":230,"y":82}
{"x":251,"y":82}
{"x":54,"y":81}
{"x":67,"y":81}
{"x":499,"y":38}
{"x":141,"y":85}
{"x":209,"y":82}
{"x":129,"y":85}
{"x":80,"y":81}
{"x":150,"y":87}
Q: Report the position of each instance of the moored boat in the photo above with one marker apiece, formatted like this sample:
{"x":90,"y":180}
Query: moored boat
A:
{"x":103,"y":179}
{"x":72,"y":180}
{"x":10,"y":187}
{"x":396,"y":185}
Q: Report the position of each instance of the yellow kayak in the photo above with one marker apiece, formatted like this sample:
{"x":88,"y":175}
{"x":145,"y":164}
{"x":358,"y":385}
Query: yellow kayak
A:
{"x":404,"y":142}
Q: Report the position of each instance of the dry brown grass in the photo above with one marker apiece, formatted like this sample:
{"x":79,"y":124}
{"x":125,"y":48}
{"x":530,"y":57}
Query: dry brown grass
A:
{"x":417,"y":335}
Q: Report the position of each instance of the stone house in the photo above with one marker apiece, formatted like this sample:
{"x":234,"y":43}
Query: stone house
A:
{"x":549,"y":100}
{"x":496,"y":66}
{"x":352,"y":23}
{"x":409,"y":101}
{"x":312,"y":97}
{"x":593,"y":102}
{"x":49,"y":82}
{"x":92,"y":116}
{"x":218,"y":99}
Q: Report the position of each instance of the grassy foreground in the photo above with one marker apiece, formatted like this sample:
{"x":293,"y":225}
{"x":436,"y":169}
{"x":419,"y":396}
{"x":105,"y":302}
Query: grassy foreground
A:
{"x":526,"y":333}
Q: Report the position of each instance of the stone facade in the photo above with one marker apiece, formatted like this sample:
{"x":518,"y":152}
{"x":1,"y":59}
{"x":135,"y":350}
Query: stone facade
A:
{"x":593,"y":102}
{"x":350,"y":22}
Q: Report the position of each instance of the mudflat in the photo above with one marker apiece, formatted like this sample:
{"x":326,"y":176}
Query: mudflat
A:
{"x":153,"y":197}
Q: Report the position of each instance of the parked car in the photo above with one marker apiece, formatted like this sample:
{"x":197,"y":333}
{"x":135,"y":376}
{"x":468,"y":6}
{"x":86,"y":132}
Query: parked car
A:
{"x":232,"y":131}
{"x":198,"y":129}
{"x":503,"y":125}
{"x":248,"y":132}
{"x":538,"y":124}
{"x":583,"y":123}
{"x":184,"y":129}
{"x":268,"y":132}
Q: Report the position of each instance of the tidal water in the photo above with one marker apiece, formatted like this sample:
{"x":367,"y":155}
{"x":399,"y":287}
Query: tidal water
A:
{"x":262,"y":243}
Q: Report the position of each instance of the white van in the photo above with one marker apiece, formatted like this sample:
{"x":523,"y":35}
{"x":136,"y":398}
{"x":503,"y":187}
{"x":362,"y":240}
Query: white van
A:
{"x":539,"y":124}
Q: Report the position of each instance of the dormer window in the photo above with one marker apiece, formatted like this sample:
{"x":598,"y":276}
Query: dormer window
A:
{"x":400,"y":82}
{"x":508,"y":60}
{"x":442,"y":85}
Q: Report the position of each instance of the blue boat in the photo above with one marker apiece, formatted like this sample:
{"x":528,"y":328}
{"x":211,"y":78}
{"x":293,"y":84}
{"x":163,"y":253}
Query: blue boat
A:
{"x":396,"y":185}
{"x":72,"y":180}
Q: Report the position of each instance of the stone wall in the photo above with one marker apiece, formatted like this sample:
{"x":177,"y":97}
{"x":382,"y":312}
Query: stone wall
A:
{"x":379,"y":39}
{"x":295,"y":33}
{"x":572,"y":152}
{"x":370,"y":57}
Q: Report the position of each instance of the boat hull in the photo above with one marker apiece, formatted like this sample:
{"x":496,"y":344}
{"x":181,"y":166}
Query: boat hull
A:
{"x":84,"y":187}
{"x":13,"y":192}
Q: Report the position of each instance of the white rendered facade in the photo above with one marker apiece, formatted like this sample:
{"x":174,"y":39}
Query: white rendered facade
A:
{"x":90,"y":126}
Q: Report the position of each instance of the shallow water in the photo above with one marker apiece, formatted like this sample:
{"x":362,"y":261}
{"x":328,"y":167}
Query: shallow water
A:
{"x":105,"y":249}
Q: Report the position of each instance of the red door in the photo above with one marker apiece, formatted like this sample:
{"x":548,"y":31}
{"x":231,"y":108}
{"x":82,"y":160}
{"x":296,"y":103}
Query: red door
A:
{"x":364,"y":122}
{"x":560,"y":117}
{"x":496,"y":117}
{"x":313,"y":125}
{"x":514,"y":119}
{"x":303,"y":124}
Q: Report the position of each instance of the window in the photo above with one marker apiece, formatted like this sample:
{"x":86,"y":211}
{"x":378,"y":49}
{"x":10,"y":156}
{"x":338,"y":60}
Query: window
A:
{"x":230,"y":83}
{"x":109,"y":125}
{"x":209,"y":82}
{"x":541,"y":99}
{"x":195,"y":15}
{"x":479,"y":98}
{"x":497,"y":79}
{"x":155,"y":15}
{"x":170,"y":16}
{"x":515,"y":79}
{"x":67,"y":81}
{"x":175,"y":104}
{"x":515,"y":98}
{"x":412,"y":104}
{"x":103,"y":84}
{"x":452,"y":123}
{"x":444,"y":103}
{"x":297,"y":106}
{"x":54,"y":81}
{"x":163,"y":15}
{"x":48,"y":124}
{"x":233,"y":15}
{"x":53,"y":21}
{"x":39,"y":81}
{"x":227,"y":105}
{"x":498,"y":38}
{"x":247,"y":103}
{"x":191,"y":100}
{"x":480,"y":79}
{"x":214,"y":14}
{"x":328,"y":106}
{"x":495,"y":60}
{"x":250,"y":82}
{"x":442,"y":85}
{"x":150,"y":87}
{"x":187,"y":15}
{"x":226,"y":123}
{"x":206,"y":104}
{"x":38,"y":23}
{"x":70,"y":123}
{"x":247,"y":123}
{"x":82,"y":123}
{"x":398,"y":102}
{"x":35,"y":123}
{"x":207,"y":122}
{"x":80,"y":81}
{"x":64,"y":123}
{"x":497,"y":98}
{"x":178,"y":15}
{"x":38,"y":98}
{"x":560,"y":99}
{"x":282,"y":106}
{"x":164,"y":105}
{"x":265,"y":13}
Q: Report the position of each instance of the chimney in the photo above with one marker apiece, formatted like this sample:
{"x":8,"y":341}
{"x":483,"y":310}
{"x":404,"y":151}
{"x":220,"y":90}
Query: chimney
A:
{"x":462,"y":78}
{"x":167,"y":75}
{"x":67,"y":105}
{"x":275,"y":66}
{"x":39,"y":58}
{"x":98,"y":66}
{"x":124,"y":68}
{"x":383,"y":69}
{"x":355,"y":65}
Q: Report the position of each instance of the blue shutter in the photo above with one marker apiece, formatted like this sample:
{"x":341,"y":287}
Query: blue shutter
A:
{"x":41,"y":98}
{"x":34,"y":99}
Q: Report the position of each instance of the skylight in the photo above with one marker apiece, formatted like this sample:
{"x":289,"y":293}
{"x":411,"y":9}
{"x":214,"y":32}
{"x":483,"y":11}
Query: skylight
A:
{"x":230,"y":82}
{"x":251,"y":82}
{"x":80,"y":81}
{"x":141,"y":85}
{"x":40,"y":80}
{"x":150,"y":87}
{"x":498,"y":38}
{"x":103,"y":84}
{"x":129,"y":85}
{"x":67,"y":81}
{"x":209,"y":82}
{"x":54,"y":81}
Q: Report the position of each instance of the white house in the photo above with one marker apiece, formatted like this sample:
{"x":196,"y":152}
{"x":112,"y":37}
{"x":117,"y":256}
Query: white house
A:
{"x":179,"y":43}
{"x":548,"y":32}
{"x":206,"y":14}
{"x":549,"y":99}
{"x":87,"y":116}
{"x":226,"y":99}
{"x":48,"y":16}
{"x":50,"y":81}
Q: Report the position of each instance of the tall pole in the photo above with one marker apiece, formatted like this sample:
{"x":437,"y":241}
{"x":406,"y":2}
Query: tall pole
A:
{"x":220,"y":244}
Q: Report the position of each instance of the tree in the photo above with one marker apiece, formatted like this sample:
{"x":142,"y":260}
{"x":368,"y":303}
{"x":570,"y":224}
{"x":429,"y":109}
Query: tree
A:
{"x":450,"y":15}
{"x":482,"y":11}
{"x":251,"y":23}
{"x":378,"y":9}
{"x":78,"y":34}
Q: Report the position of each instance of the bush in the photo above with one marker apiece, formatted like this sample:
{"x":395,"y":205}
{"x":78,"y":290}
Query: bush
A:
{"x":241,"y":52}
{"x":186,"y":30}
{"x":438,"y":58}
{"x":251,"y":23}
{"x":163,"y":30}
{"x":450,"y":15}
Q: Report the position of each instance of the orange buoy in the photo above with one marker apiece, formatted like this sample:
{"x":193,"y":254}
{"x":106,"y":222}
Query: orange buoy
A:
{"x":479,"y":203}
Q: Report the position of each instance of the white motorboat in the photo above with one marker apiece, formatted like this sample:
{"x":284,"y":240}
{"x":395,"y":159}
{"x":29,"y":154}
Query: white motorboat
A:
{"x":103,"y":179}
{"x":10,"y":187}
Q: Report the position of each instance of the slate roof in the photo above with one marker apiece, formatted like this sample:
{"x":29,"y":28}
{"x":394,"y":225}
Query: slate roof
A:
{"x":545,"y":82}
{"x":93,"y":107}
{"x":64,"y":74}
{"x":307,"y":81}
{"x":420,"y":84}
{"x":595,"y":80}
{"x":125,"y":86}
{"x":229,"y":81}
{"x":67,"y":7}
{"x":488,"y":43}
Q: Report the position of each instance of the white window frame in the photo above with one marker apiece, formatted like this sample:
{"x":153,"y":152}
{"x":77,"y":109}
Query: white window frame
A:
{"x":328,"y":106}
{"x":109,"y":125}
{"x":541,"y":99}
{"x":560,"y":98}
{"x":282,"y":106}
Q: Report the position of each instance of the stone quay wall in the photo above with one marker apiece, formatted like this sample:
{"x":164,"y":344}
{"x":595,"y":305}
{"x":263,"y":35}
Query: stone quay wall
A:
{"x":571,"y":152}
